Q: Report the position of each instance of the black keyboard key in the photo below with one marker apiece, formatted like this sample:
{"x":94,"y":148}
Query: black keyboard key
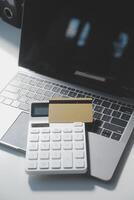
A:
{"x":115,"y":106}
{"x":72,"y":89}
{"x":97,"y":101}
{"x":116,"y":136}
{"x":96,"y":128}
{"x":103,"y":98}
{"x":116,"y":114}
{"x":126,"y":110}
{"x":98,"y":131}
{"x":106,"y":104}
{"x":119,"y":122}
{"x":125,"y":117}
{"x":98,"y":108}
{"x":64,"y":92}
{"x":97,"y":115}
{"x":113,"y":127}
{"x":106,"y":118}
{"x":107,"y":111}
{"x":72,"y":94}
{"x":106,"y":133}
{"x":81,"y":95}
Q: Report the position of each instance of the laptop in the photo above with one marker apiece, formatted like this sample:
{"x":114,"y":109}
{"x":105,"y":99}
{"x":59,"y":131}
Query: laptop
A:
{"x":75,"y":51}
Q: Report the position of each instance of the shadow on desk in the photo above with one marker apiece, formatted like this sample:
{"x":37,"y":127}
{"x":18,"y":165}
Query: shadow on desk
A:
{"x":79,"y":182}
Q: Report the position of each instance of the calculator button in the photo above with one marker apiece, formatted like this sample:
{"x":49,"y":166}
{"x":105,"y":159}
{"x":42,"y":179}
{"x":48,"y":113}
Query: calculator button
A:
{"x":56,"y":164}
{"x":56,"y":137}
{"x":32,"y":164}
{"x":43,"y":164}
{"x":67,"y":159}
{"x":67,"y":130}
{"x":44,"y":146}
{"x":34,"y":138}
{"x":79,"y":145}
{"x":33,"y":155}
{"x":78,"y":130}
{"x":33,"y":146}
{"x":44,"y":155}
{"x":35,"y":131}
{"x":78,"y":124}
{"x":67,"y":145}
{"x":79,"y":163}
{"x":56,"y":146}
{"x":45,"y":130}
{"x":67,"y":137}
{"x":45,"y":137}
{"x":56,"y":130}
{"x":79,"y":154}
{"x":78,"y":137}
{"x":56,"y":155}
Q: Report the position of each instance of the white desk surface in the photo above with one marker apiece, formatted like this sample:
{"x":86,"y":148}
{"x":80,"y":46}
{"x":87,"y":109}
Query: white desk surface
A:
{"x":15,"y":184}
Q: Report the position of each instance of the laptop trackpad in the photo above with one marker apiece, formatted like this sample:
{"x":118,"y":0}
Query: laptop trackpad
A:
{"x":16,"y":134}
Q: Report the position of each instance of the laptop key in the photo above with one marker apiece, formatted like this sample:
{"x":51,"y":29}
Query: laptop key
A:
{"x":125,"y":117}
{"x":40,"y":91}
{"x":115,"y":106}
{"x":40,"y":84}
{"x":15,"y":104}
{"x":106,"y":104}
{"x":48,"y":94}
{"x":106,"y":133}
{"x":38,"y":97}
{"x":113,"y":128}
{"x":22,"y":99}
{"x":97,"y":101}
{"x":72,"y":94}
{"x":126,"y":110}
{"x":106,"y":118}
{"x":116,"y":114}
{"x":107,"y":111}
{"x":97,"y":115}
{"x":7,"y":101}
{"x":48,"y":86}
{"x":64,"y":92}
{"x":30,"y":94}
{"x":96,"y":126}
{"x":80,"y":95}
{"x":56,"y":89}
{"x":119,"y":122}
{"x":24,"y":106}
{"x":9,"y":95}
{"x":116,"y":136}
{"x":12,"y":89}
{"x":97,"y":130}
{"x":98,"y":109}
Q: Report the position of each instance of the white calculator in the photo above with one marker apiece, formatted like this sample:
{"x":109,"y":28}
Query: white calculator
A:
{"x":55,"y":148}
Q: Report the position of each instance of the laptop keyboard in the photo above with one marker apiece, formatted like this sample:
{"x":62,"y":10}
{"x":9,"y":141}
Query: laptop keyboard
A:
{"x":110,"y":116}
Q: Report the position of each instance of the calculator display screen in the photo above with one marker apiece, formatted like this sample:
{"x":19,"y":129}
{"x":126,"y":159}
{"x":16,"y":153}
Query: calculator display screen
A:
{"x":39,"y":110}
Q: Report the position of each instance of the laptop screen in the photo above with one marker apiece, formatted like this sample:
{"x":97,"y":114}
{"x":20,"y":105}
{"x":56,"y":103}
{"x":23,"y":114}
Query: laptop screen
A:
{"x":71,"y":39}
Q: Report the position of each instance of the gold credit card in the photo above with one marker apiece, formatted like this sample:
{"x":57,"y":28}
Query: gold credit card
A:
{"x":68,"y":110}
